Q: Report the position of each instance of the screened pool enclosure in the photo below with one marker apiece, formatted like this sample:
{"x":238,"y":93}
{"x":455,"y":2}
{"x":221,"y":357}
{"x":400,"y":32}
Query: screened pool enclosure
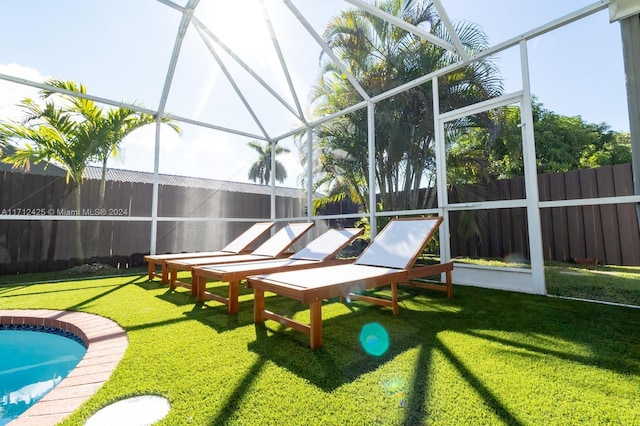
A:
{"x":392,"y":122}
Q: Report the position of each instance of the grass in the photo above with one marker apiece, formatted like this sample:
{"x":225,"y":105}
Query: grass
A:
{"x":618,"y":284}
{"x":605,"y":283}
{"x":67,"y":275}
{"x":483,"y":357}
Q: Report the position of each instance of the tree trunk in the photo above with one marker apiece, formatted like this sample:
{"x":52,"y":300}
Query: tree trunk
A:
{"x":53,"y":238}
{"x":79,"y":251}
{"x":95,"y":238}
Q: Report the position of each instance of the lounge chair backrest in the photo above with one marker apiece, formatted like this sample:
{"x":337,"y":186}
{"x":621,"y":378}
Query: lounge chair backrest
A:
{"x":248,"y":237}
{"x":328,"y":244}
{"x":283,"y":239}
{"x":399,"y":244}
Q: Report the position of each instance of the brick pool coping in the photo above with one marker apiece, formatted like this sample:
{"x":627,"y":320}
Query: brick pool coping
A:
{"x":106,"y":343}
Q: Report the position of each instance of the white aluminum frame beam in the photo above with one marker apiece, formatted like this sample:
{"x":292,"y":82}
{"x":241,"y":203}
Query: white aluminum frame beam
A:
{"x":530,"y":281}
{"x":232,"y":81}
{"x":451,"y":29}
{"x":172,"y":5}
{"x":400,"y":23}
{"x":106,"y":101}
{"x":202,"y":28}
{"x":543,"y":29}
{"x":309,"y":173}
{"x":283,"y":62}
{"x":327,"y":50}
{"x":371,"y":128}
{"x":630,"y":33}
{"x":187,"y":14}
{"x":534,"y":224}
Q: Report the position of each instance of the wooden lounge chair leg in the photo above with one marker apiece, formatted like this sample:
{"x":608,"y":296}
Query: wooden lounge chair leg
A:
{"x":394,"y":298}
{"x":449,"y":285}
{"x":258,"y":306}
{"x":198,"y":284}
{"x":165,"y":273}
{"x":194,"y":284}
{"x":233,"y":296}
{"x":174,"y":277}
{"x":151,"y":270}
{"x":315,"y":332}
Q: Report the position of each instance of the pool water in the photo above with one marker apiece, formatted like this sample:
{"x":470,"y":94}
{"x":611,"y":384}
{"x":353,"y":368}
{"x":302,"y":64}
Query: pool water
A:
{"x":32,"y":362}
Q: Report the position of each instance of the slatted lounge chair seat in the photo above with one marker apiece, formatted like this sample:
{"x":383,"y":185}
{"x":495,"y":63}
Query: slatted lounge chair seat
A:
{"x":273,"y":248}
{"x":321,"y":251}
{"x":389,"y":260}
{"x":239,"y":245}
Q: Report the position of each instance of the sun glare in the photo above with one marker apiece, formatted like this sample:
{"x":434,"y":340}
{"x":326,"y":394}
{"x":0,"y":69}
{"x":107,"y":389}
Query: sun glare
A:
{"x":244,"y":32}
{"x":240,"y":26}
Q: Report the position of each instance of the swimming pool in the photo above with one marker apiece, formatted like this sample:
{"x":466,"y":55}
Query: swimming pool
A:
{"x":34,"y":360}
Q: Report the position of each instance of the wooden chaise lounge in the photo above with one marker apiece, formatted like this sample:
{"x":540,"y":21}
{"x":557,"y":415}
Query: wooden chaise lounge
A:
{"x":319,"y":252}
{"x":274,"y":247}
{"x":238,"y":246}
{"x":389,"y":260}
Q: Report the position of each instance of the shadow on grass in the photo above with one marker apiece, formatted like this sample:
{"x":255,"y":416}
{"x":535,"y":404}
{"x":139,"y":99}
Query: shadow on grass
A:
{"x":483,"y":391}
{"x":515,"y":322}
{"x":11,"y":288}
{"x":113,"y":289}
{"x":152,"y":285}
{"x":614,"y":268}
{"x":216,"y":315}
{"x":66,"y":275}
{"x":235,"y":400}
{"x":607,"y":332}
{"x":5,"y":292}
{"x":212,"y":313}
{"x":341,"y":359}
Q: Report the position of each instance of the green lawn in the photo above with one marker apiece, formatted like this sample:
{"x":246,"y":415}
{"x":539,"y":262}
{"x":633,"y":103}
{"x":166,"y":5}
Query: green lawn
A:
{"x":617,"y":284}
{"x":483,"y":357}
{"x":605,"y":283}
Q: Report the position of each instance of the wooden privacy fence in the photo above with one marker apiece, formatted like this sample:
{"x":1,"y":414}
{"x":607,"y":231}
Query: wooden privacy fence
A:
{"x":608,"y":233}
{"x":39,"y":245}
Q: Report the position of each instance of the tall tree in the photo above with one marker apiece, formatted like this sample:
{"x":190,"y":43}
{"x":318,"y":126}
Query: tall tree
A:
{"x":615,"y":150}
{"x":382,"y":56}
{"x":73,"y":131}
{"x":115,"y":125}
{"x":260,"y":171}
{"x":562,"y":143}
{"x":56,"y":136}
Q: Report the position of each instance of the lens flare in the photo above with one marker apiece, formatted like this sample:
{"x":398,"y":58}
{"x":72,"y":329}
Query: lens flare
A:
{"x":374,"y":339}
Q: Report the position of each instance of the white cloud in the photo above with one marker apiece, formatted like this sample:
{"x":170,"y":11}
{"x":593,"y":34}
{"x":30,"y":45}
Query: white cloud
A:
{"x":219,"y":156}
{"x":138,"y":149}
{"x":13,"y":93}
{"x":193,"y":153}
{"x":291,"y":163}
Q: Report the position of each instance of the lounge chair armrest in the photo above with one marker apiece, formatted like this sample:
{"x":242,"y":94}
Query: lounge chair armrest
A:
{"x":426,"y":270}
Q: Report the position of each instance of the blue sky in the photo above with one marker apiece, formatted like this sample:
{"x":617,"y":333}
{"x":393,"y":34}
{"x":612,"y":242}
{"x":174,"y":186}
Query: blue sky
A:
{"x":121,"y":49}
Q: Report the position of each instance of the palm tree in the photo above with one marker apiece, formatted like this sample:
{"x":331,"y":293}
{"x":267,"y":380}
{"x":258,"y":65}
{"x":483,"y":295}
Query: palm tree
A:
{"x":260,"y":171}
{"x":115,"y":125}
{"x":382,"y":56}
{"x":120,"y":122}
{"x":88,"y":134}
{"x":58,"y":137}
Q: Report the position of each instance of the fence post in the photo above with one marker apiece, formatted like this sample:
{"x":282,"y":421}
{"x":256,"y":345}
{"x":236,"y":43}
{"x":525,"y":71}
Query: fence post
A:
{"x":630,"y":32}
